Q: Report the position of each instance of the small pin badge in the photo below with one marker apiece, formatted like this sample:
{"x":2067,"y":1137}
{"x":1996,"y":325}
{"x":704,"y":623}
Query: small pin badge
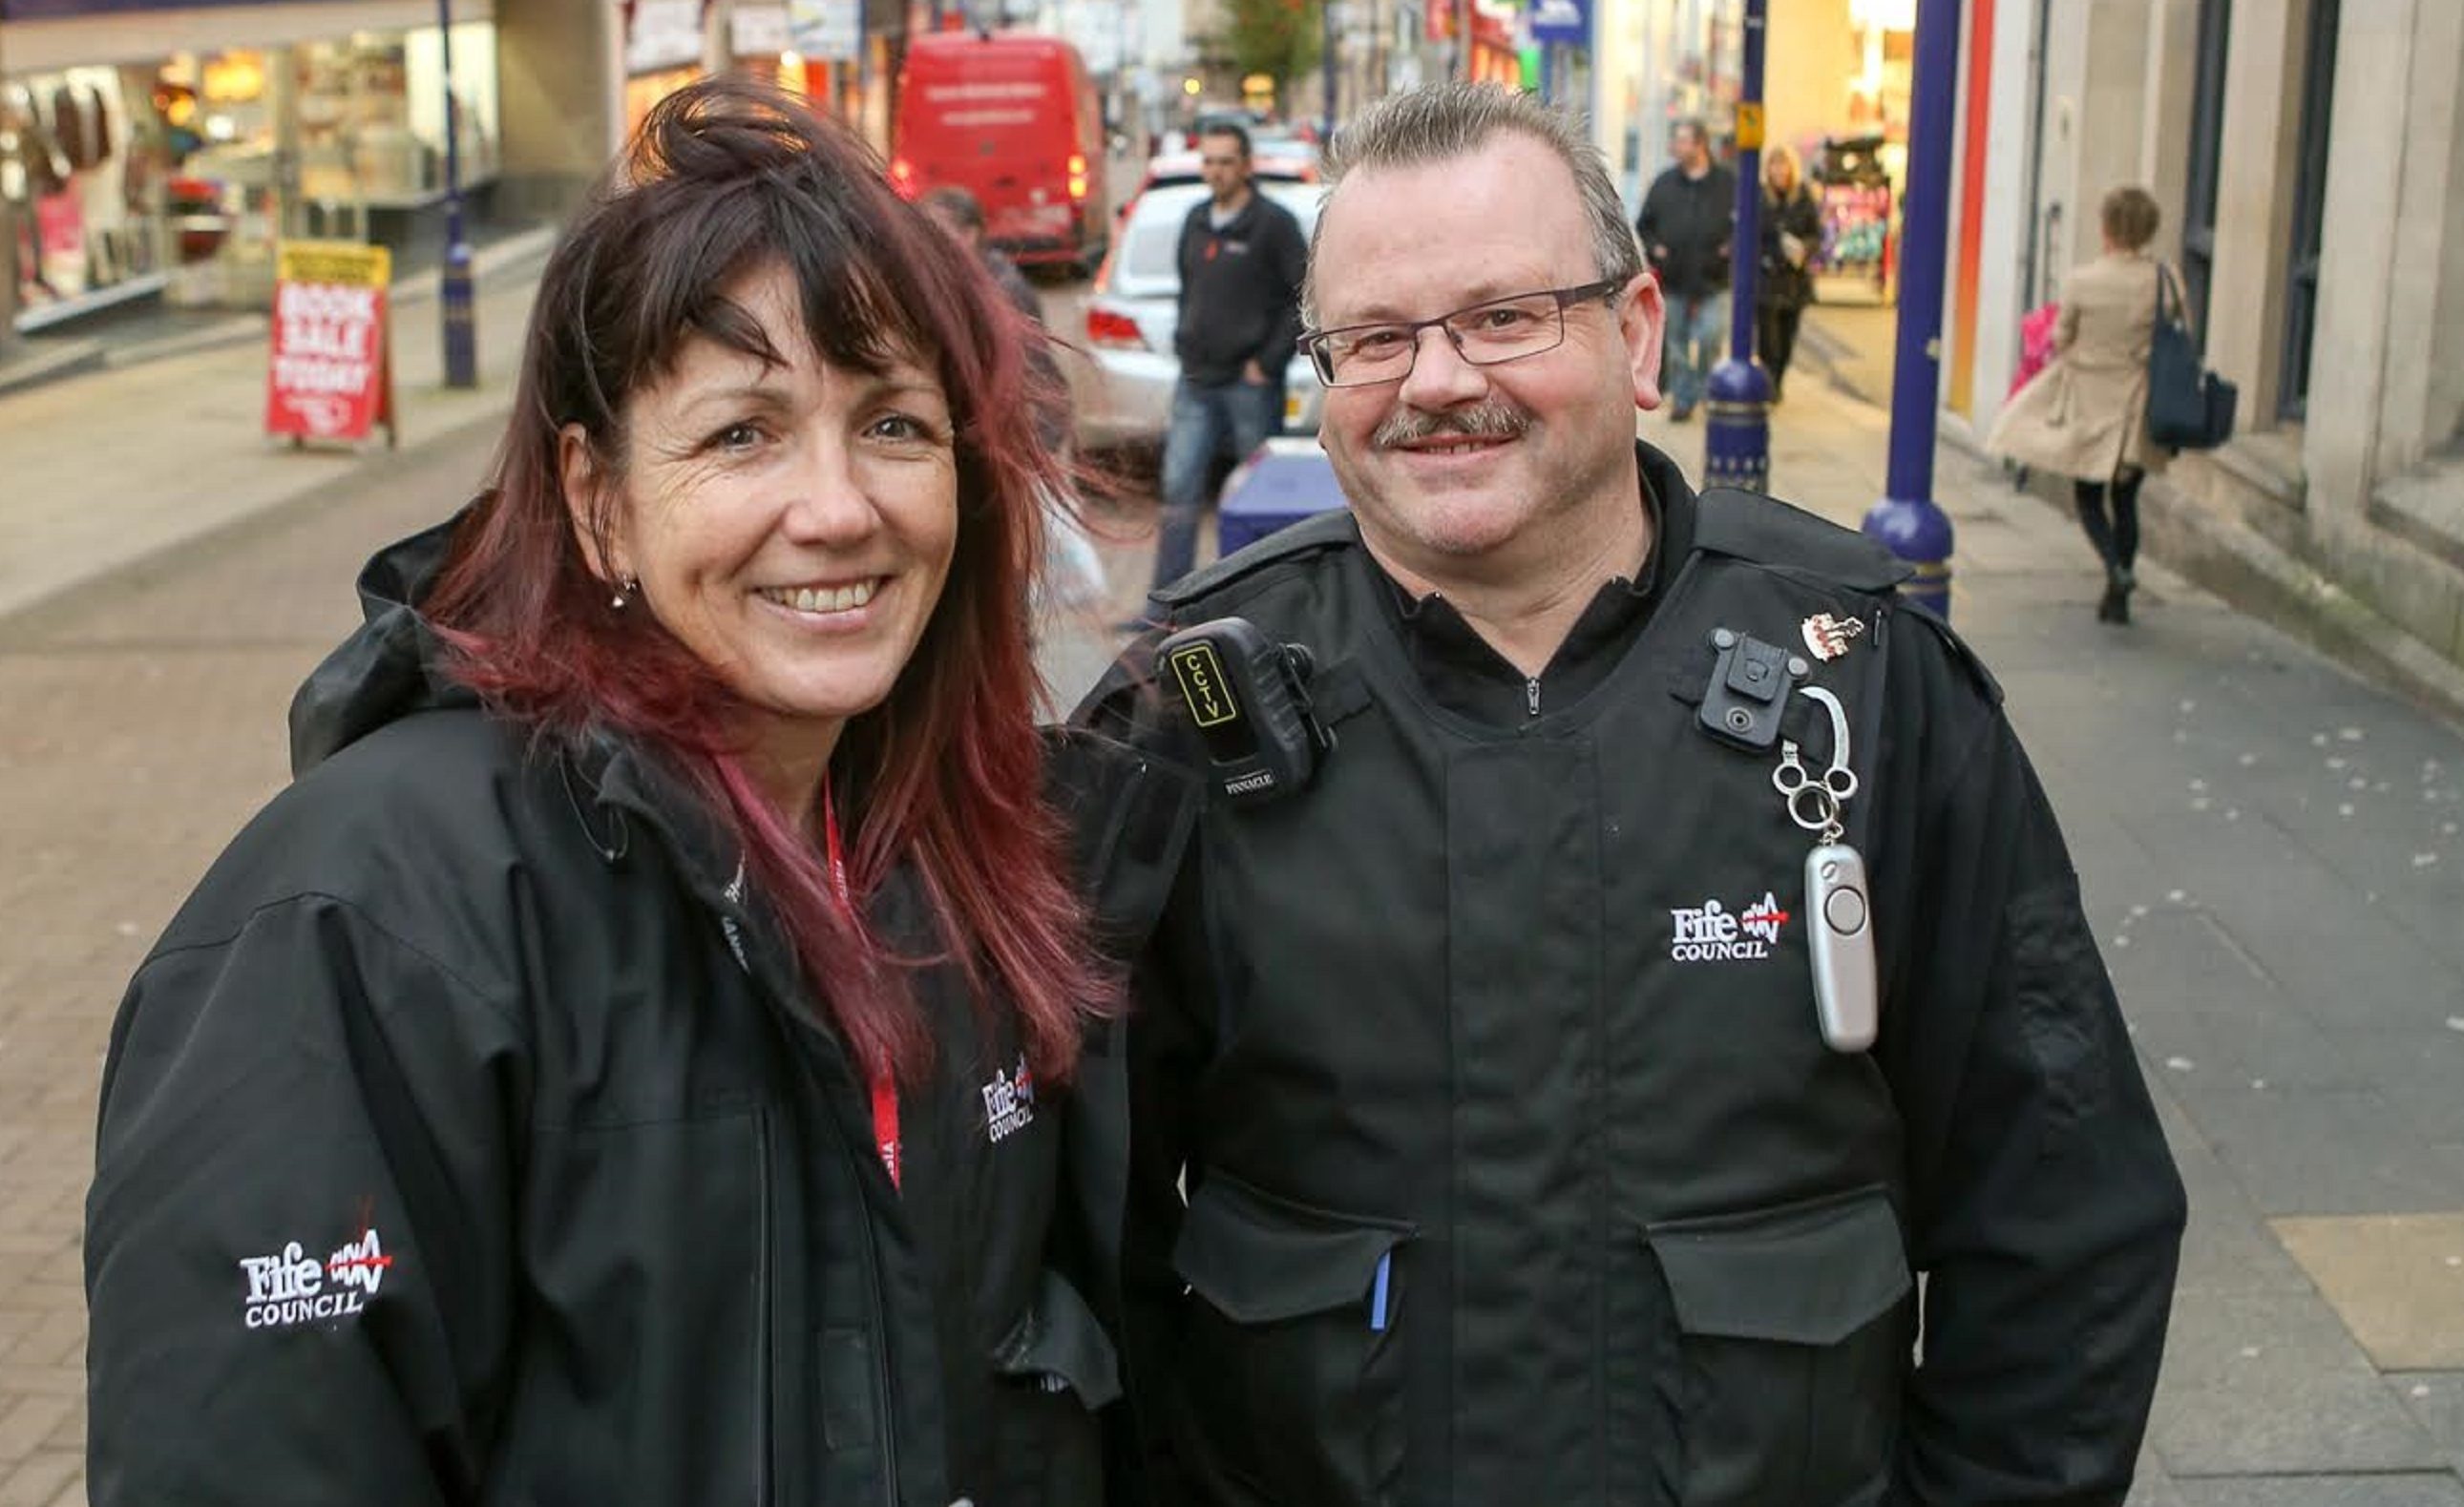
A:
{"x":1829,"y":637}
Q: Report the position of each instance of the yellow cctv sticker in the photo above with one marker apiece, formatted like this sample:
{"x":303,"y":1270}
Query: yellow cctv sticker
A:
{"x":1201,"y":685}
{"x":1749,"y":125}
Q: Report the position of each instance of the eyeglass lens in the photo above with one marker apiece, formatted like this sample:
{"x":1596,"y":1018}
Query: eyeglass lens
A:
{"x":1484,"y":334}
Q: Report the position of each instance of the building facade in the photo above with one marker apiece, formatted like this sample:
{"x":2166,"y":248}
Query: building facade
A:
{"x":151,"y":151}
{"x":2309,"y":159}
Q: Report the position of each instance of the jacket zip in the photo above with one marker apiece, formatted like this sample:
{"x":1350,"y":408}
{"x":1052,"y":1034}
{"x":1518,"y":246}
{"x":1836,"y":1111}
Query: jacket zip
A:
{"x":882,"y":1400}
{"x":764,"y":1349}
{"x":1531,"y":694}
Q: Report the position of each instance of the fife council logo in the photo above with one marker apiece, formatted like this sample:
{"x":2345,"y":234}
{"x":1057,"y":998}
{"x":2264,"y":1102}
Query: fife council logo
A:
{"x":1009,"y":1102}
{"x":1710,"y":934}
{"x":293,"y":1287}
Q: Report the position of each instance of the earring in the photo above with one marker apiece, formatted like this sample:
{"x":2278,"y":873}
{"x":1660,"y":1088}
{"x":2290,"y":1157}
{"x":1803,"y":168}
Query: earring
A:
{"x":626,"y":587}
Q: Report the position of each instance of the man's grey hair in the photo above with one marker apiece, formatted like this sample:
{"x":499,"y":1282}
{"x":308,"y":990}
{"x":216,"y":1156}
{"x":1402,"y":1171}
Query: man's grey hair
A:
{"x":1442,"y":121}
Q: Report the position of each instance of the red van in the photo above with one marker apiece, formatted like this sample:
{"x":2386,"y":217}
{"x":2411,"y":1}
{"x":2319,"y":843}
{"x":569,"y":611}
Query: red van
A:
{"x":1012,"y":118}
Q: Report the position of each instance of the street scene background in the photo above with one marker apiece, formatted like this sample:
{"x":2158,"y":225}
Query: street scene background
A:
{"x":2261,"y":777}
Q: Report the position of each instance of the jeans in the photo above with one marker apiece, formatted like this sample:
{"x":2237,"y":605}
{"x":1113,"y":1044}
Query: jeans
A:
{"x":1208,"y":420}
{"x":1697,"y":327}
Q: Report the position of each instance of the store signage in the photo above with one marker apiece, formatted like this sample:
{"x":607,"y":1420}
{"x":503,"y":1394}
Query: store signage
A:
{"x":331,"y":377}
{"x":65,"y":9}
{"x":661,"y":34}
{"x":832,"y":30}
{"x":1561,"y":21}
{"x":759,"y":31}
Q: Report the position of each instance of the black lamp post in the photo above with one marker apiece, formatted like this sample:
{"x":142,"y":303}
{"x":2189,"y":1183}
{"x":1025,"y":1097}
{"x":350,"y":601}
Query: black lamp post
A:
{"x":461,"y":338}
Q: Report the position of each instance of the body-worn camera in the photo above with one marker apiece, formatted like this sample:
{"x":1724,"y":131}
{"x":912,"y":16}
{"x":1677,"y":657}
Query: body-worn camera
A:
{"x":1249,"y":698}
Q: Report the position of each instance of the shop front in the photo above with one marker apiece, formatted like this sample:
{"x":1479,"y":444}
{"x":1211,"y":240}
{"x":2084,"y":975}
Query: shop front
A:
{"x":170,"y":156}
{"x":1834,"y":88}
{"x":665,"y":47}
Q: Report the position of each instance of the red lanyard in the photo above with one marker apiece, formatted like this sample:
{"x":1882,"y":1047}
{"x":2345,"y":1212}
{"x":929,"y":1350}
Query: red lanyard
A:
{"x":884,"y":1089}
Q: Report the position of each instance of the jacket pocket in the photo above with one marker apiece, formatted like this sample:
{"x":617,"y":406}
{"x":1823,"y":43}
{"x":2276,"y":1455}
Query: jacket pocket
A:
{"x":1056,"y":1368}
{"x":1793,"y":1327}
{"x":1290,"y":1376}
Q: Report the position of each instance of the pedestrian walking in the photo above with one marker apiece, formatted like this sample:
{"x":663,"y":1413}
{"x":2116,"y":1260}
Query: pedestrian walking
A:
{"x":1689,"y":215}
{"x":621,"y":1068}
{"x":1791,"y":230}
{"x":1241,"y":257}
{"x":1531,"y":1094}
{"x":2084,"y":415}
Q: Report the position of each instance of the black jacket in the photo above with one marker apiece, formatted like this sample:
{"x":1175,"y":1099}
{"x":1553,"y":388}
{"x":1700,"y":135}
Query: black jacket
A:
{"x":469,"y":1137}
{"x":1240,"y":291}
{"x":1516,"y":1168}
{"x":1786,"y":284}
{"x":1685,"y":228}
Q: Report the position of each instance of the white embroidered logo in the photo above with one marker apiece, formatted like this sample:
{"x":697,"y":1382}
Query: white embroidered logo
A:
{"x":1009,"y":1102}
{"x":1709,"y":934}
{"x":294,"y":1288}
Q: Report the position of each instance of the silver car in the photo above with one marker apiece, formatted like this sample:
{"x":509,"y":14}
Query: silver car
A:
{"x":1135,"y":304}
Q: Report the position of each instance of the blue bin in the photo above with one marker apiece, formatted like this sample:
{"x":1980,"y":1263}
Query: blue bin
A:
{"x":1285,"y":480}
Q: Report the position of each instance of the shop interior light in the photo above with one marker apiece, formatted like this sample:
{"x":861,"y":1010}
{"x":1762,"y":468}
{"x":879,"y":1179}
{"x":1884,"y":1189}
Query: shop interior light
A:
{"x":1884,"y":15}
{"x":238,"y":77}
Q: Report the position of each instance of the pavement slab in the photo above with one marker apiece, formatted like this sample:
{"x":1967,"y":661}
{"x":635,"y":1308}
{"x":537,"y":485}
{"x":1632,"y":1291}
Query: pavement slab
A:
{"x":2396,"y":1281}
{"x":2269,"y":1383}
{"x":2401,"y":1489}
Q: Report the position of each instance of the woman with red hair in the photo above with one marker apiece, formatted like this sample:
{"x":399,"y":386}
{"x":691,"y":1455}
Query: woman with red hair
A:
{"x":620,"y":1068}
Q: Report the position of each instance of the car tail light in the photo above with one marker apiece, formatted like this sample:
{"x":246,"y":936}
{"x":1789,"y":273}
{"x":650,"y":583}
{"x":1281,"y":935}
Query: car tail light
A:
{"x":1078,"y":175}
{"x":1108,"y":327}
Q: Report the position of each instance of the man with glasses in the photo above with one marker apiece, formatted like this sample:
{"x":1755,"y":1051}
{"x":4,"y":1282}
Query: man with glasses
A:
{"x":1241,"y":258}
{"x":1507,"y":1117}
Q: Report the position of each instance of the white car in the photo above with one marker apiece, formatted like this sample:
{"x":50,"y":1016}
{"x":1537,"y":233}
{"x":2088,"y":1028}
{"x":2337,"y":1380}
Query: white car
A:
{"x":1132,"y":309}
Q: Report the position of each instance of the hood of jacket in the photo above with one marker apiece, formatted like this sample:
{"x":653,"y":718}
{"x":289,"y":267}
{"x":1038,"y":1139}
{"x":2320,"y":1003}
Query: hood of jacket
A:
{"x":392,"y":665}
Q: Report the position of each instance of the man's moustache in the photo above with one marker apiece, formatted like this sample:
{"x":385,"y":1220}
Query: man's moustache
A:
{"x":1488,"y":421}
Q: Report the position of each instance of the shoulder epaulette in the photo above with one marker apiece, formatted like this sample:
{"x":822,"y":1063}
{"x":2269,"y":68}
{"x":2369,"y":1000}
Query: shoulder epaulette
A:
{"x":1331,"y":529}
{"x":1749,"y":526}
{"x":1960,"y":653}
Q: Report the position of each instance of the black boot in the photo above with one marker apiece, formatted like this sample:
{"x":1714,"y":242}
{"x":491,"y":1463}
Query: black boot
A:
{"x":2115,"y":606}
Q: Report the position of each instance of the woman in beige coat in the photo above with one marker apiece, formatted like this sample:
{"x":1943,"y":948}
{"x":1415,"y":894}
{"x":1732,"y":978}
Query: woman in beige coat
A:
{"x":2085,"y":415}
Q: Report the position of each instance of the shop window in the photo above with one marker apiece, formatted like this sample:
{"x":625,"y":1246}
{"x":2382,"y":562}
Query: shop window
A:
{"x":2309,"y":206}
{"x":82,"y":162}
{"x":2207,"y":142}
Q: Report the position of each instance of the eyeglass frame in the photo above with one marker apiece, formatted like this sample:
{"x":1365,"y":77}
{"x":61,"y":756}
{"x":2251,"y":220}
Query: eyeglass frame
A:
{"x":1313,"y":341}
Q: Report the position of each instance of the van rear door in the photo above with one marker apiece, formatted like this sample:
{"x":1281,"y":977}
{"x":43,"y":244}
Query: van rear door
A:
{"x":997,"y":115}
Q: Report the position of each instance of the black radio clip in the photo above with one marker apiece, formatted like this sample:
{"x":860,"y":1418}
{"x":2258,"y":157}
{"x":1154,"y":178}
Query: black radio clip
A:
{"x":1749,"y":689}
{"x":1249,"y":698}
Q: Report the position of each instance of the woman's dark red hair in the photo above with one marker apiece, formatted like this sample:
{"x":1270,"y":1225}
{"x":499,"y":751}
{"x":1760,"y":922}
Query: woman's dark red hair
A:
{"x":945,"y":777}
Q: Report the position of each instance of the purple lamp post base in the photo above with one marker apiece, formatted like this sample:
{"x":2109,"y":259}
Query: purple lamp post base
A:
{"x":1736,"y":433}
{"x":1919,"y":533}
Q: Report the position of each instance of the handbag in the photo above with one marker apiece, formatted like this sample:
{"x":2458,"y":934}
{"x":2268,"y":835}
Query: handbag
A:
{"x":2189,"y":408}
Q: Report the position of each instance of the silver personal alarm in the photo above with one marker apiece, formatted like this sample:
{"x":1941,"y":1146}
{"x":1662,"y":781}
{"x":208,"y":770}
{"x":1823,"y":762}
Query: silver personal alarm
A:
{"x":1839,"y":903}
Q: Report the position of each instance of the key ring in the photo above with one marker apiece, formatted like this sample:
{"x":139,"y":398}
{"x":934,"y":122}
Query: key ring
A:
{"x":1839,"y":779}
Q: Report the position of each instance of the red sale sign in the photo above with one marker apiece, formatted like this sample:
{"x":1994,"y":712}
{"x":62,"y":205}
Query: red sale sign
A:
{"x":332,"y":371}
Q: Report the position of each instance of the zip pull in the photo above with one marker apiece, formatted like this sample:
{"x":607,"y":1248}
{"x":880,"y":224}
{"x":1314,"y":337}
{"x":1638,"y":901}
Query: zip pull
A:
{"x":1531,"y":694}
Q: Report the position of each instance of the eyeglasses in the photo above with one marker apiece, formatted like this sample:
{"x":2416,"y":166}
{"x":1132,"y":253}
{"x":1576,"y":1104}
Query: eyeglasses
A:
{"x":1484,"y":334}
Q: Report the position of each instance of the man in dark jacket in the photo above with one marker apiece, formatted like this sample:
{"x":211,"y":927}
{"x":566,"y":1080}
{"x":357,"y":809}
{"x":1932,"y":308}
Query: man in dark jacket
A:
{"x":1241,"y":258}
{"x":1687,"y":218}
{"x":1561,"y":1117}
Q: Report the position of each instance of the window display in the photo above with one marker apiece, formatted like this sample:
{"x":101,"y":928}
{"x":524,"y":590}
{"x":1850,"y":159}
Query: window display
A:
{"x":83,"y":173}
{"x":305,"y":141}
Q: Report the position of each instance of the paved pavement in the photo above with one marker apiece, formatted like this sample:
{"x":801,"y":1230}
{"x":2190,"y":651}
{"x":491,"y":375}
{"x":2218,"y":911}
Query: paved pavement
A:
{"x":2271,"y":852}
